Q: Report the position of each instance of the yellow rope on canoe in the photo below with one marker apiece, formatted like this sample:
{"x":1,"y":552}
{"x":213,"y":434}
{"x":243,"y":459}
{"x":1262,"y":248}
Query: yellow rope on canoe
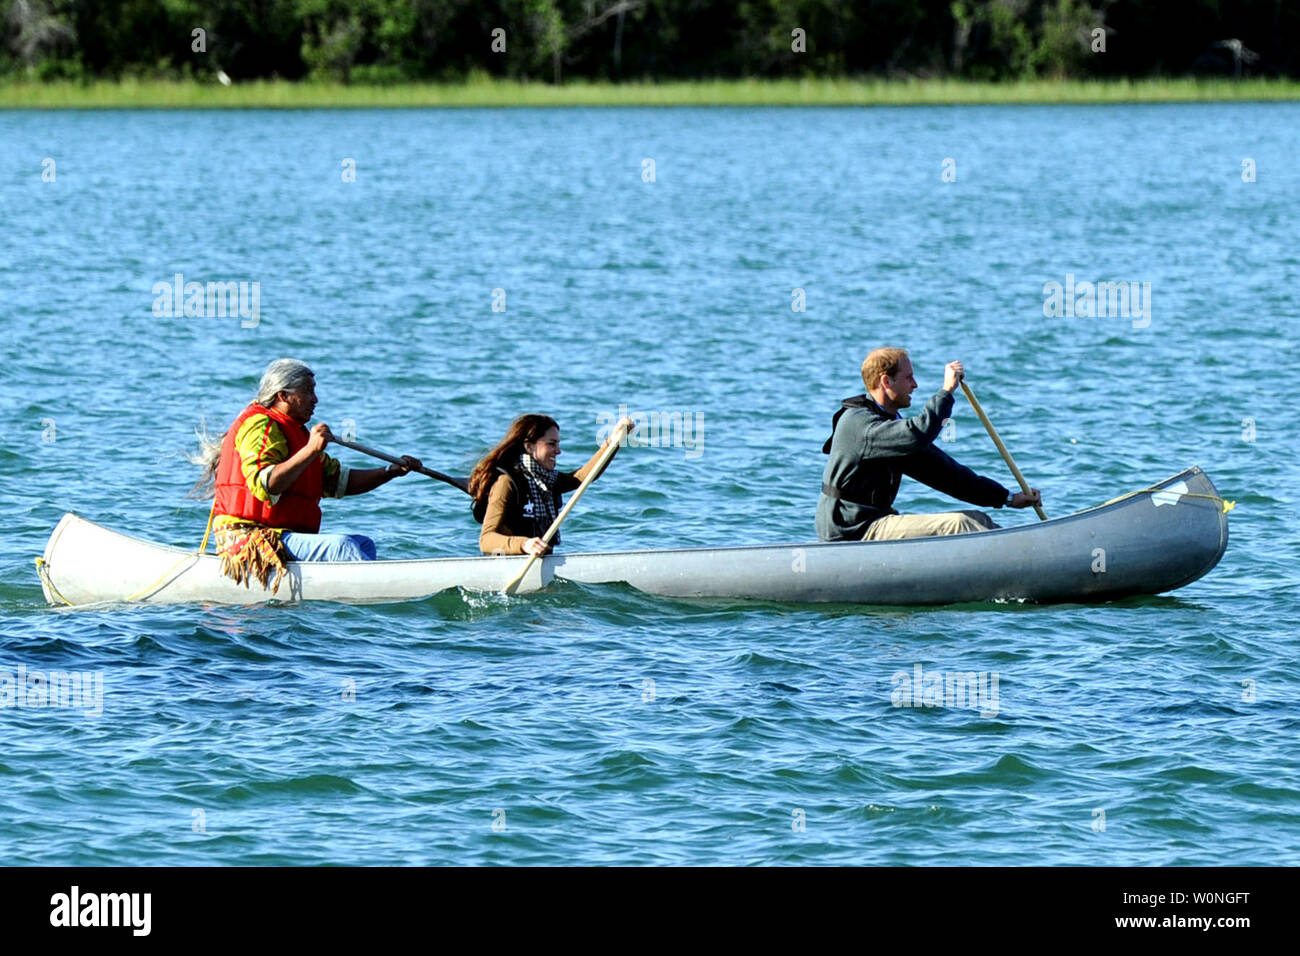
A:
{"x":43,"y":572}
{"x":1224,"y":503}
{"x":203,"y":546}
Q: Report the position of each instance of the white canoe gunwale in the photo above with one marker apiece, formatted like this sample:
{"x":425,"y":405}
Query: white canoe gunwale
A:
{"x":1151,"y":544}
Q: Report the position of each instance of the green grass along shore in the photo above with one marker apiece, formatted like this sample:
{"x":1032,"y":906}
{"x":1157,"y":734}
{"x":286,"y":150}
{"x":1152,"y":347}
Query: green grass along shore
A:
{"x":187,"y":94}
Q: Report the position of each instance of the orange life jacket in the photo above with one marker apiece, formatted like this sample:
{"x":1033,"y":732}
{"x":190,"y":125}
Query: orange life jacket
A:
{"x":298,"y":508}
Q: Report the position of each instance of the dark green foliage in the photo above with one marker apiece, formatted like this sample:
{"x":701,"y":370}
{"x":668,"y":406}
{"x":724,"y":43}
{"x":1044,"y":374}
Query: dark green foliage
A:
{"x":388,"y":41}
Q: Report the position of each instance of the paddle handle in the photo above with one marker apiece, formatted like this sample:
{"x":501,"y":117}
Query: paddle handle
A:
{"x":1006,"y":455}
{"x":393,"y":459}
{"x":604,"y":458}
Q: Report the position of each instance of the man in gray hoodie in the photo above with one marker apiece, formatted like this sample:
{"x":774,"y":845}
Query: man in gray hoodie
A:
{"x":872,"y":447}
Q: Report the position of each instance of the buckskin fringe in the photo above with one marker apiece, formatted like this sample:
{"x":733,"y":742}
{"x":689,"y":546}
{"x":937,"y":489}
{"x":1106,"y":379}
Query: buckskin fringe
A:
{"x":248,"y":553}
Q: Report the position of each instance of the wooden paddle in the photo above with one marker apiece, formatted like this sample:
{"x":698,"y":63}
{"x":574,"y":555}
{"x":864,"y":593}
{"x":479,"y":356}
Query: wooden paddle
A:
{"x":461,"y":483}
{"x":605,"y":455}
{"x":974,"y":403}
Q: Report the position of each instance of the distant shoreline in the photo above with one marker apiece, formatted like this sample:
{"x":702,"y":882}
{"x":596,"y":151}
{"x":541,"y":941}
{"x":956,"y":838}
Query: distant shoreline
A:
{"x":280,"y":94}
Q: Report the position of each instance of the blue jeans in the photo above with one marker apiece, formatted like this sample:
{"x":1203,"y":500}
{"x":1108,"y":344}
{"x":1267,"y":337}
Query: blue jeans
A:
{"x":328,"y":547}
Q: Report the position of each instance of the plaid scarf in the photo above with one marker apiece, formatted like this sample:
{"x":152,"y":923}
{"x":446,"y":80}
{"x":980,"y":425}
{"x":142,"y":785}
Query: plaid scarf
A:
{"x":540,"y":481}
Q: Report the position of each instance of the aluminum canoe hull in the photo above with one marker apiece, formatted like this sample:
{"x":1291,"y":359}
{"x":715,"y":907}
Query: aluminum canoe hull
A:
{"x":1147,"y":543}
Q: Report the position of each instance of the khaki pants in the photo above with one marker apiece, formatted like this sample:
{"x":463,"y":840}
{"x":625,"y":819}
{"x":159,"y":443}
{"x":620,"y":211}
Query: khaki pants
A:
{"x":892,"y":527}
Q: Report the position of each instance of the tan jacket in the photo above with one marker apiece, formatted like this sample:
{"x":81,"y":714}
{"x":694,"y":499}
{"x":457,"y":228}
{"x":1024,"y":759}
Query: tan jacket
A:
{"x":496,"y":538}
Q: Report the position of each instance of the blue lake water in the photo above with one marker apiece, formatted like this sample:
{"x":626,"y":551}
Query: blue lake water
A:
{"x":597,"y":724}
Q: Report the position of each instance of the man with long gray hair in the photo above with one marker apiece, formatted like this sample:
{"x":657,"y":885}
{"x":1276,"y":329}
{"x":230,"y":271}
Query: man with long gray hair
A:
{"x":268,"y":473}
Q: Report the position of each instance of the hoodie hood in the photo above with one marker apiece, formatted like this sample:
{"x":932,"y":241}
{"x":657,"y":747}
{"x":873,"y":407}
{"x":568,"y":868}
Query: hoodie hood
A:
{"x":856,"y":401}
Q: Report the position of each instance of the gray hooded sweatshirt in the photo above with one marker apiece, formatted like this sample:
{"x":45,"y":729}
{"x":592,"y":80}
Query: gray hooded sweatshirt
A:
{"x":870,"y":450}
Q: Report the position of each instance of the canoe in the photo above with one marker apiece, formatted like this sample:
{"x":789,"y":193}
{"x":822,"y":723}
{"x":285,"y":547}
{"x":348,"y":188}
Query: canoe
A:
{"x":1147,"y":542}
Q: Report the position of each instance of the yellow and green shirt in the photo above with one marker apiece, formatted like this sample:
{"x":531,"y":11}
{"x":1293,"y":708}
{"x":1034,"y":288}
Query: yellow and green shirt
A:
{"x":261,"y":445}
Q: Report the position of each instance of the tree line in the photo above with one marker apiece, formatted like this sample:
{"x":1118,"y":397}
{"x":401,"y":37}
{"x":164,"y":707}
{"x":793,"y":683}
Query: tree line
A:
{"x":393,"y":41}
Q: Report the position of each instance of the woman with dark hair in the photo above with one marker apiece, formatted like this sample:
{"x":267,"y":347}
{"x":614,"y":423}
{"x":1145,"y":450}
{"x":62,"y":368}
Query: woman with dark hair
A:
{"x":516,"y":489}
